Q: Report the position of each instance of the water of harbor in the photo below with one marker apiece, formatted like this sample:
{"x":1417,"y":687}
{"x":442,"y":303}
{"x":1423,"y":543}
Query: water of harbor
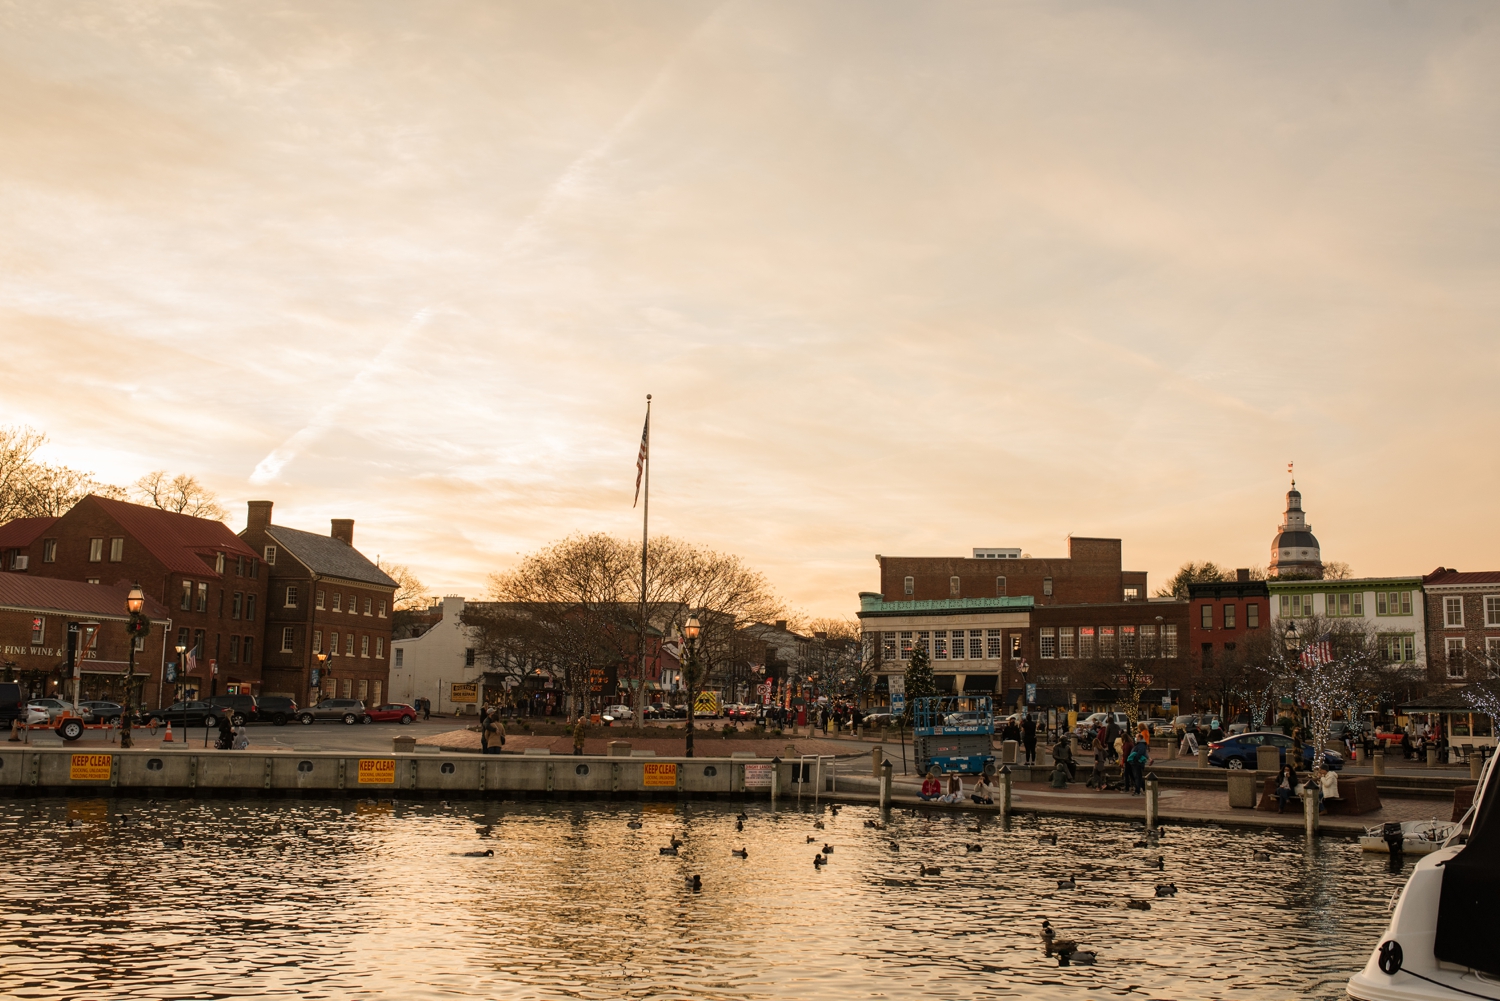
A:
{"x":377,"y":899}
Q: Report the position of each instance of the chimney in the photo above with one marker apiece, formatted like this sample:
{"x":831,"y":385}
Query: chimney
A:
{"x":781,"y":624}
{"x":343,"y":530}
{"x":258,"y":518}
{"x":1242,"y":575}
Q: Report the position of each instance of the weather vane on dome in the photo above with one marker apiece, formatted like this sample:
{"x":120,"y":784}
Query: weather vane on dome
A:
{"x":1291,"y":474}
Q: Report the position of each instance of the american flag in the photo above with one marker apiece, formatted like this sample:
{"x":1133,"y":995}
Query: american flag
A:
{"x":1317,"y":653}
{"x":192,"y":661}
{"x":640,"y":460}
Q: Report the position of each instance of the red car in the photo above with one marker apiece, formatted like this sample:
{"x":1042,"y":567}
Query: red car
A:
{"x":391,"y":712}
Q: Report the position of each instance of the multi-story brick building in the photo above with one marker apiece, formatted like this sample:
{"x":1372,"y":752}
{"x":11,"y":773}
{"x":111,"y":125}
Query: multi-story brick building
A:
{"x":1222,"y":614}
{"x":208,"y":579}
{"x":1463,"y":624}
{"x":34,"y":617}
{"x":325,"y":598}
{"x":1056,"y":618}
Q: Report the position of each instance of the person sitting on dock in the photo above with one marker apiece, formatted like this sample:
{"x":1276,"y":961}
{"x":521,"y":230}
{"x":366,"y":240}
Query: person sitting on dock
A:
{"x":931,"y":787}
{"x":955,"y":792}
{"x":1286,"y":786}
{"x":984,"y":790}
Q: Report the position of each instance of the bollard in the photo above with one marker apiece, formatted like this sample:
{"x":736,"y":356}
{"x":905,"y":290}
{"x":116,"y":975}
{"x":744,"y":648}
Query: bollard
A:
{"x":404,"y":744}
{"x":1202,"y":756}
{"x":1268,"y":759}
{"x":885,"y":786}
{"x":1008,"y":752}
{"x":1005,"y":790}
{"x":1152,"y":791}
{"x":775,"y":780}
{"x":1310,"y":808}
{"x":877,"y":755}
{"x":1476,"y":763}
{"x":1431,"y":757}
{"x":1378,"y":759}
{"x":15,"y":730}
{"x":1171,"y":749}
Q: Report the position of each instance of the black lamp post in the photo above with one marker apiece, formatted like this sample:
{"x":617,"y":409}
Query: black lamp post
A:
{"x":690,"y":632}
{"x":135,"y":629}
{"x":322,"y":672}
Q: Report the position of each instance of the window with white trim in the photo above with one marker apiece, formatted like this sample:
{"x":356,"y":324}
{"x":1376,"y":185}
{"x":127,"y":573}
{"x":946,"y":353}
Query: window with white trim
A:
{"x":1492,"y":651}
{"x":317,"y":642}
{"x":1169,"y":642}
{"x":1455,"y":650}
{"x":911,"y":584}
{"x":1086,"y":642}
{"x":381,"y":613}
{"x":976,"y":644}
{"x":49,"y":550}
{"x":270,"y":556}
{"x":349,"y":645}
{"x":1127,"y":641}
{"x":400,"y":656}
{"x":1048,"y":646}
{"x":888,"y":647}
{"x":953,"y":587}
{"x":380,"y":648}
{"x":291,"y":596}
{"x":1148,"y":641}
{"x":1015,"y":646}
{"x":288,"y":634}
{"x":993,"y":648}
{"x":319,"y":599}
{"x":1453,"y":613}
{"x":925,"y":642}
{"x":96,"y":550}
{"x":999,"y":587}
{"x":906,"y":644}
{"x":956,"y":644}
{"x":1492,"y":609}
{"x":1065,"y":642}
{"x":940,"y":645}
{"x":333,"y":644}
{"x":1107,"y":646}
{"x":364,"y":646}
{"x":338,"y":602}
{"x":202,"y":597}
{"x":367,"y":606}
{"x":116,"y":549}
{"x":1047,"y":586}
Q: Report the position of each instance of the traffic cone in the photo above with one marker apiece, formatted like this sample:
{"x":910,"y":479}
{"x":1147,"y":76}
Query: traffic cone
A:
{"x":167,"y":738}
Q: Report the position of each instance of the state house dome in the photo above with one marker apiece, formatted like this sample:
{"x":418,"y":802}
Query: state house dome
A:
{"x":1295,"y":551}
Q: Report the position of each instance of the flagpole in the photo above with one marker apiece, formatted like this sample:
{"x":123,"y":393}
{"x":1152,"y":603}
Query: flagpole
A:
{"x":640,"y":700}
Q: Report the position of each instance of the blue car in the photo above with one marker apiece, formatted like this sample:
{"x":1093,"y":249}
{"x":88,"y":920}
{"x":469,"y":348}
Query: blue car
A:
{"x":1240,"y":751}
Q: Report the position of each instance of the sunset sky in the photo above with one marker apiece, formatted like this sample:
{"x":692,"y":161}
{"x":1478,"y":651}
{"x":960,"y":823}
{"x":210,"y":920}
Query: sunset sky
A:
{"x":904,"y":278}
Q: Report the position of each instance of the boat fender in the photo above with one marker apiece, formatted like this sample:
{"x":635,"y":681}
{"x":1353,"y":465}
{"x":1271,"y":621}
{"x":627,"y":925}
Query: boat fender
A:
{"x":1390,"y":957}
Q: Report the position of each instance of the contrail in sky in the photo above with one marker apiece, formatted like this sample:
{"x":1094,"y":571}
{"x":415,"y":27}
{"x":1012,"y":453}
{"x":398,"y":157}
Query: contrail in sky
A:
{"x":570,"y":183}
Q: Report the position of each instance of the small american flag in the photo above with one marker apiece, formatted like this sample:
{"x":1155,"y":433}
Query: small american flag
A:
{"x":640,"y":460}
{"x":1317,"y":653}
{"x":192,"y":660}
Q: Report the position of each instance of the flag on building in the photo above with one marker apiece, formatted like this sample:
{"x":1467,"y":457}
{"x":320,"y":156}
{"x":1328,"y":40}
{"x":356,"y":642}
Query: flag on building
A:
{"x":640,"y":460}
{"x":1317,"y":653}
{"x":192,"y":660}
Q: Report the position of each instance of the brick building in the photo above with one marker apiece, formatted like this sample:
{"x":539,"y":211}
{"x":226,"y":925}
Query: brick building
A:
{"x":1090,"y":573}
{"x":1222,"y":614}
{"x":984,"y":618}
{"x":34,"y":617}
{"x":1463,"y":625}
{"x":325,"y":598}
{"x":196,"y":567}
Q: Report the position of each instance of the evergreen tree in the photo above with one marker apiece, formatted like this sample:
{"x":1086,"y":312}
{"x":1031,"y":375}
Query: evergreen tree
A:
{"x":920,"y":683}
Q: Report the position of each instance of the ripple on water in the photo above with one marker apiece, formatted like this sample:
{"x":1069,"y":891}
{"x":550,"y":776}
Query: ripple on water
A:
{"x":321,"y":900}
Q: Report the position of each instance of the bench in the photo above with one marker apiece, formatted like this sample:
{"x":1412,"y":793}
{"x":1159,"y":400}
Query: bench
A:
{"x":1357,"y":794}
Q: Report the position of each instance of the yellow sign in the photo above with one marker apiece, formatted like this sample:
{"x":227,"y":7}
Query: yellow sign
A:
{"x":661,"y":774}
{"x":465,"y":691}
{"x":706,"y":703}
{"x":90,"y":767}
{"x":377,"y":771}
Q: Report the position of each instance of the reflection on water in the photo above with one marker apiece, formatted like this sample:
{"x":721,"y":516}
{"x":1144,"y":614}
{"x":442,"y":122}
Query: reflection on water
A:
{"x":322,"y":900}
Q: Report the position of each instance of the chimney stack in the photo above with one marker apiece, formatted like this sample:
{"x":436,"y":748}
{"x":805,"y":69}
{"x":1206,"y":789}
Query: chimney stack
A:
{"x":258,"y":517}
{"x":781,"y":624}
{"x":343,"y":530}
{"x":1242,"y":575}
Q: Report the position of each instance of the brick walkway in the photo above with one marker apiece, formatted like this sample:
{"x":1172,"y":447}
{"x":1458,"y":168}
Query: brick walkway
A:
{"x":704,"y":745}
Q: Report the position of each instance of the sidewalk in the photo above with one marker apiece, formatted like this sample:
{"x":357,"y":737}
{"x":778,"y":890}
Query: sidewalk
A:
{"x":705,"y":745}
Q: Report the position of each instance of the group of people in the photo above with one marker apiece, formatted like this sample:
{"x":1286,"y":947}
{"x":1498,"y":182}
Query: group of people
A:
{"x":1023,"y":732}
{"x":1323,"y":781}
{"x":1132,"y":751}
{"x":982,"y":792}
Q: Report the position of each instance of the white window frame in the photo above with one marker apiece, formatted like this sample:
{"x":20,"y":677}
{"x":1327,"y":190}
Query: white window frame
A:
{"x":1169,"y":641}
{"x":348,"y":644}
{"x":49,"y":550}
{"x":317,"y":641}
{"x":976,"y":644}
{"x":908,"y":643}
{"x":381,"y":613}
{"x":1047,"y":647}
{"x":380,"y":648}
{"x":888,"y":647}
{"x":1492,"y":610}
{"x":1148,"y":640}
{"x":368,"y":604}
{"x":1459,"y":599}
{"x":338,"y":601}
{"x":291,"y":596}
{"x":269,"y":554}
{"x":940,"y":644}
{"x":1000,"y":586}
{"x":1451,"y":644}
{"x":955,"y":587}
{"x":364,"y":647}
{"x":96,"y":550}
{"x":909,"y":586}
{"x":957,"y":641}
{"x":994,"y":646}
{"x":1046,"y":587}
{"x":400,"y":656}
{"x":1088,"y":642}
{"x":1065,"y":648}
{"x":288,"y":638}
{"x":1492,"y":651}
{"x":333,"y":644}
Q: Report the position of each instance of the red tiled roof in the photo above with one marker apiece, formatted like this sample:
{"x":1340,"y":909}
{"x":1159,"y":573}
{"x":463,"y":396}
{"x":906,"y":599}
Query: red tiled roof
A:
{"x":101,"y":601}
{"x":18,"y":533}
{"x":174,"y":539}
{"x":1442,"y":575}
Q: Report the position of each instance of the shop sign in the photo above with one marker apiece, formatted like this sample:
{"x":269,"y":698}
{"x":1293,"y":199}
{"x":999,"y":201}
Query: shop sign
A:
{"x":465,"y":691}
{"x":661,"y":774}
{"x":377,"y":771}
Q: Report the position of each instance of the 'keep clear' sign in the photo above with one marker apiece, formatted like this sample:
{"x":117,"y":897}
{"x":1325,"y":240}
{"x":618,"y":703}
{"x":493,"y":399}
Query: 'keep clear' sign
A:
{"x":661,"y":773}
{"x":90,"y":767}
{"x":377,"y":771}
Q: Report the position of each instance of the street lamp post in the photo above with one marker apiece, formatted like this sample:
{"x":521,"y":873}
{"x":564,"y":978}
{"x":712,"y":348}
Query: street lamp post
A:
{"x":322,"y":671}
{"x":690,"y":633}
{"x":135,"y":629}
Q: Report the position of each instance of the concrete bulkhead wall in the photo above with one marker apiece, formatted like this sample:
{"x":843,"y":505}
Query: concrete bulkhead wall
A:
{"x":35,"y":771}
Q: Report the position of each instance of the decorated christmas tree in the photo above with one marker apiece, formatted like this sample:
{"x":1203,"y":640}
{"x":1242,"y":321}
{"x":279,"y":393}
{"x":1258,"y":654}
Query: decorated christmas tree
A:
{"x":920,"y":683}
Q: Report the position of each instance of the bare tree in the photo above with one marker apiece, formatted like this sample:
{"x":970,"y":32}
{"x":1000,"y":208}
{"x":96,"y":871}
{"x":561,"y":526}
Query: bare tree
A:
{"x":1337,"y":570}
{"x":32,"y":489}
{"x":409,"y":590}
{"x":181,"y":494}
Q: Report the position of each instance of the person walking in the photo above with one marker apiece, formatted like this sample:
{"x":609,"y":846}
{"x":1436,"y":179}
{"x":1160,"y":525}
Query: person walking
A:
{"x":492,"y":732}
{"x":1111,"y":737}
{"x":580,"y":731}
{"x":1099,"y":779}
{"x":426,"y":708}
{"x":1135,"y":772}
{"x":1028,"y":737}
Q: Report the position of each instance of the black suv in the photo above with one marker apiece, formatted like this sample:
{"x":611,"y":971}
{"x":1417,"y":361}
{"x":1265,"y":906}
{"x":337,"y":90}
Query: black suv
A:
{"x":276,"y":709}
{"x":12,"y":703}
{"x":242,"y":706}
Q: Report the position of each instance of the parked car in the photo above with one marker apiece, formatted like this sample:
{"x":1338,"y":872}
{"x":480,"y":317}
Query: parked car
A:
{"x":348,"y":711}
{"x":277,"y":709}
{"x":192,"y":713}
{"x":879,"y":719}
{"x":243,"y":707}
{"x":391,"y":712}
{"x":618,"y":712}
{"x":1241,"y":750}
{"x":966,"y":719}
{"x":1154,"y":724}
{"x":53,"y":707}
{"x":1102,"y":719}
{"x":12,"y":703}
{"x":101,"y":712}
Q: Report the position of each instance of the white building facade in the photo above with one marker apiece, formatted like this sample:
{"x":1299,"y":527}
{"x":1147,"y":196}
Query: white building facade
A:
{"x":1393,"y":606}
{"x":430,"y":665}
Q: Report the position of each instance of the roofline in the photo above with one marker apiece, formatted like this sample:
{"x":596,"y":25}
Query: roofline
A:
{"x":103,"y":616}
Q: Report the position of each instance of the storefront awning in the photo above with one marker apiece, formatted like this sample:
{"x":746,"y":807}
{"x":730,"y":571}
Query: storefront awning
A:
{"x":981,"y":683}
